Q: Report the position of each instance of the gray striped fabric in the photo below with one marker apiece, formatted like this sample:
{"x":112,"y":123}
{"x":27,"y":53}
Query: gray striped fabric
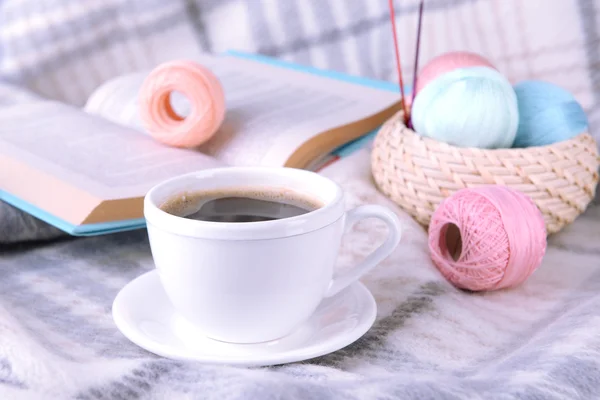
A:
{"x":539,"y":341}
{"x":66,"y":48}
{"x":430,"y":341}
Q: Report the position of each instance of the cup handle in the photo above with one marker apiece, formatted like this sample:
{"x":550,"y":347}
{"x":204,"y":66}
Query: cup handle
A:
{"x":343,"y":280}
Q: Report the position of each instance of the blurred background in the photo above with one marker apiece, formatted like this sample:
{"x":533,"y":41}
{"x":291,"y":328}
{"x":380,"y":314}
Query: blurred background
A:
{"x":64,"y":49}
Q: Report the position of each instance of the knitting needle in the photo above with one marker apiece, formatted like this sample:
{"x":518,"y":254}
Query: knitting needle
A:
{"x":414,"y":87}
{"x":398,"y":66}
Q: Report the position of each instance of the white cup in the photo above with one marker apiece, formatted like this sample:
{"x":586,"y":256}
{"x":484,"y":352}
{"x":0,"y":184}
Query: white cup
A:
{"x":253,"y":282}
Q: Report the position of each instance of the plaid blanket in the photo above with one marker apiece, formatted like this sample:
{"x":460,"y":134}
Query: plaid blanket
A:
{"x":430,"y":340}
{"x":57,"y":338}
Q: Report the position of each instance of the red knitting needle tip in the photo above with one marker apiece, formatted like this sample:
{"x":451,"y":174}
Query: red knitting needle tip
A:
{"x":398,"y":66}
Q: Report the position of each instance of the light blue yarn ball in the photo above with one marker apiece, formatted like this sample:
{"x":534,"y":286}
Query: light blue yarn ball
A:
{"x":547,"y":114}
{"x":468,"y":107}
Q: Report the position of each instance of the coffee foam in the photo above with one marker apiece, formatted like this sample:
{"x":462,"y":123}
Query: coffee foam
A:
{"x":187,"y":203}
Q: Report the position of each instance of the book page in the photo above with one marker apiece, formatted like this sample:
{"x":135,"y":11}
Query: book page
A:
{"x":104,"y":159}
{"x":271,"y":110}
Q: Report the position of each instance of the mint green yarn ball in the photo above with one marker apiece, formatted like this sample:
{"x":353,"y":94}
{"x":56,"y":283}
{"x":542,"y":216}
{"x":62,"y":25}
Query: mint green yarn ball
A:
{"x":468,"y":107}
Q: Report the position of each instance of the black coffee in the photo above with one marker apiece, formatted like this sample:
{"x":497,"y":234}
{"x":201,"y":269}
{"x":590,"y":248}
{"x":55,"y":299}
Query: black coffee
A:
{"x":240,"y":205}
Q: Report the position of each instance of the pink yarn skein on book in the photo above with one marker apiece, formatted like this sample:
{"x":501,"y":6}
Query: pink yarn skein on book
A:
{"x":203,"y":90}
{"x":487,"y":238}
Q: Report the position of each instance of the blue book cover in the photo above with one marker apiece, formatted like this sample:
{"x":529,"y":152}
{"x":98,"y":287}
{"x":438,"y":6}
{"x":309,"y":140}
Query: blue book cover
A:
{"x":124,"y":225}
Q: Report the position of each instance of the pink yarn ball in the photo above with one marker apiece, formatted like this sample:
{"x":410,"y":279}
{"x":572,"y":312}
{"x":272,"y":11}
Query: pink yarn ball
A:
{"x":448,"y":62}
{"x":203,"y":90}
{"x":487,"y":238}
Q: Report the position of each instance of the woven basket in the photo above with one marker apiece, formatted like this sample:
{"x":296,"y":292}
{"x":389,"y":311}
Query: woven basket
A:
{"x":417,"y":173}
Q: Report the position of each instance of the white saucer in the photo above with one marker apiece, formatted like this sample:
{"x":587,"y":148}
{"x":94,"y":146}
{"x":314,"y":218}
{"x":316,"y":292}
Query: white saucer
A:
{"x":144,"y":314}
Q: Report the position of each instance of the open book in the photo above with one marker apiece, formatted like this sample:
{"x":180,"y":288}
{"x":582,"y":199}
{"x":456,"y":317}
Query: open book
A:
{"x":87,"y":170}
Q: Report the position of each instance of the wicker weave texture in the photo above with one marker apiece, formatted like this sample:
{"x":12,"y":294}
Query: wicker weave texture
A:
{"x":417,"y":173}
